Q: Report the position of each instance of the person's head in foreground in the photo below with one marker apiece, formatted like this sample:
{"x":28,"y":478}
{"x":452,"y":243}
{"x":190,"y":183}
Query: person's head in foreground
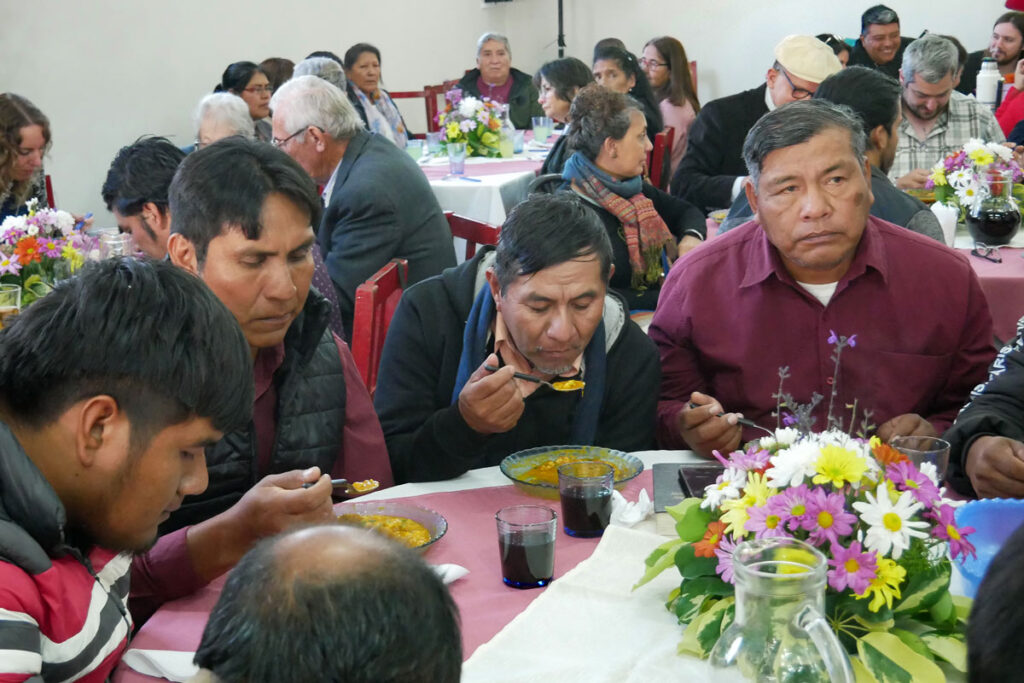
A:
{"x":801,"y":63}
{"x":880,"y":33}
{"x":549,"y":279}
{"x":875,"y":98}
{"x":242,"y":220}
{"x":557,"y":82}
{"x":313,"y":122}
{"x":135,"y":190}
{"x":332,"y":603}
{"x":928,"y":74}
{"x":220,"y":115}
{"x":809,"y":186}
{"x":993,"y":628}
{"x":142,"y":369}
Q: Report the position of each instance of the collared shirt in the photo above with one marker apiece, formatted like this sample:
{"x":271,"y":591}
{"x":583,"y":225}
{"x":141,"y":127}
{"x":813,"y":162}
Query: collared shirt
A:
{"x":506,"y":349}
{"x":965,"y":118}
{"x":329,"y":187}
{"x":729,"y":319}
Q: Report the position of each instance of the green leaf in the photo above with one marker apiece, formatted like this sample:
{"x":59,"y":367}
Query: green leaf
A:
{"x":890,"y":660}
{"x":949,"y":648}
{"x":710,"y":585}
{"x":923,"y":589}
{"x":703,"y":632}
{"x":694,"y":522}
{"x":661,"y":562}
{"x":677,"y":511}
{"x":689,"y":605}
{"x":942,"y":611}
{"x":691,"y":566}
{"x":861,"y":674}
{"x":962,"y":606}
{"x":913,"y":642}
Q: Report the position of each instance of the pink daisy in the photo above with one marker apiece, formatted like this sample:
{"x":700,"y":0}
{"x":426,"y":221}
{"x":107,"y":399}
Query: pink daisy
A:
{"x":51,"y":247}
{"x":947,"y":530}
{"x":765,"y":521}
{"x":724,"y":552}
{"x":852,"y":568}
{"x":908,"y":478}
{"x":827,"y":518}
{"x":791,"y":505}
{"x":9,"y":264}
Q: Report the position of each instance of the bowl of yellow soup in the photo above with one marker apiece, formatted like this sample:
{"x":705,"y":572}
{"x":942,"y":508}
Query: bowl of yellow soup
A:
{"x":535,"y":470}
{"x":411,"y":525}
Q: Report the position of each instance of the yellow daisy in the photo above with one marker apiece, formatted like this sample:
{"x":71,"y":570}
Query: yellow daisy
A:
{"x":885,"y":586}
{"x":838,"y":465}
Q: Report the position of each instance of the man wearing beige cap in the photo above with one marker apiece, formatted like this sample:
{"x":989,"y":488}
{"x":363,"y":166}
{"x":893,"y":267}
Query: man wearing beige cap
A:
{"x":711,"y":174}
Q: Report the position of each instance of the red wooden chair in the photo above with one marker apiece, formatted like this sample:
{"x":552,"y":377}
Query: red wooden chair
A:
{"x":693,"y":73}
{"x":429,"y":93}
{"x":473,"y":231}
{"x":376,"y":300}
{"x":49,"y":192}
{"x":661,"y":158}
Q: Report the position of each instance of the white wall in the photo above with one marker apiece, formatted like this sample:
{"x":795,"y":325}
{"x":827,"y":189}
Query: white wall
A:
{"x":108,"y":71}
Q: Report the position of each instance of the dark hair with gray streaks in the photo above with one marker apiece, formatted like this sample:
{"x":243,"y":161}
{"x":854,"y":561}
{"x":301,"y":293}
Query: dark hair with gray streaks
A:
{"x":931,"y":57}
{"x":796,"y":123}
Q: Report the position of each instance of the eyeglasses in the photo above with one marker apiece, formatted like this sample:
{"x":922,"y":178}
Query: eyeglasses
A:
{"x":256,"y":89}
{"x":798,"y":93}
{"x":650,"y":63}
{"x":982,"y":250}
{"x":278,"y":142}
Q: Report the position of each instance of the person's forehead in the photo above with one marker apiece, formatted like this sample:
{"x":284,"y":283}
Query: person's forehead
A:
{"x":1007,"y":30}
{"x":492,"y":46}
{"x":366,"y":58}
{"x":879,"y":29}
{"x":258,"y":79}
{"x":606,"y":66}
{"x":573,"y":278}
{"x":943,"y":87}
{"x":782,"y":161}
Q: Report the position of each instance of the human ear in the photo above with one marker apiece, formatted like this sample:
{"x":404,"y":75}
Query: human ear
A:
{"x":492,"y":281}
{"x":183,"y":253}
{"x":96,"y":424}
{"x":748,"y":189}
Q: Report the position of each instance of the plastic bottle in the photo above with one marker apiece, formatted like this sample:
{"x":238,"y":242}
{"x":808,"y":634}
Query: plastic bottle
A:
{"x":988,"y":82}
{"x":506,"y":145}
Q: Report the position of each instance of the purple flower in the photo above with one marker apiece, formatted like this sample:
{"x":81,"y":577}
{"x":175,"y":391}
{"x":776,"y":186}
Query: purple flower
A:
{"x":907,"y":477}
{"x":9,"y":264}
{"x":947,"y":530}
{"x":788,"y":420}
{"x":832,"y":338}
{"x":754,"y":459}
{"x":51,"y":247}
{"x":467,"y":125}
{"x":827,"y":517}
{"x":852,"y":341}
{"x":724,"y":552}
{"x":791,"y":505}
{"x":765,"y":521}
{"x":852,"y":568}
{"x":454,"y":96}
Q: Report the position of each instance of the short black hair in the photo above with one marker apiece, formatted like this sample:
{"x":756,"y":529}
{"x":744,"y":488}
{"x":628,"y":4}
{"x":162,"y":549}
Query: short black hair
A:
{"x":224,"y":186}
{"x":872,"y":95}
{"x":353,"y":53}
{"x":995,"y":623}
{"x":878,"y":14}
{"x":392,"y":621}
{"x":565,"y":75}
{"x":546,"y":230}
{"x":141,"y":173}
{"x":150,"y":335}
{"x":237,"y":76}
{"x":833,"y":41}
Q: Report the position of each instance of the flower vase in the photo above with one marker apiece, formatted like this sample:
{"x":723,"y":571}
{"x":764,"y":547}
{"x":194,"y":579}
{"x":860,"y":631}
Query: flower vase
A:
{"x":994,"y":219}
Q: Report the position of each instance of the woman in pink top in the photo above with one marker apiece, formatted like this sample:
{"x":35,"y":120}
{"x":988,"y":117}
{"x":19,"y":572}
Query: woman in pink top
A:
{"x":668,"y":70}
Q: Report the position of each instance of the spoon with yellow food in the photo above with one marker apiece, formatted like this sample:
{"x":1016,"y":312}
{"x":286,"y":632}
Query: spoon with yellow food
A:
{"x":351,"y":488}
{"x":561,"y":385}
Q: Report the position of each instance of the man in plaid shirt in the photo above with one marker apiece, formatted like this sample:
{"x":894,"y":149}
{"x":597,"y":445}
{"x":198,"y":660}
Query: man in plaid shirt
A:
{"x":936,"y":119}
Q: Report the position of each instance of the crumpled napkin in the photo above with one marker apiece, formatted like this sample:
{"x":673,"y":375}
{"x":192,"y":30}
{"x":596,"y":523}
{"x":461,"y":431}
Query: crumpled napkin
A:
{"x":173,"y":665}
{"x":626,"y":513}
{"x":449,"y":573}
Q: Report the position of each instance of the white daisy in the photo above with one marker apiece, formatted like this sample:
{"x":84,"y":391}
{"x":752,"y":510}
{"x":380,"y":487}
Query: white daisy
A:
{"x":973,"y":145}
{"x":960,"y":179}
{"x":729,"y":485}
{"x":929,"y":470}
{"x":468,"y":106}
{"x":791,"y":466}
{"x":972,"y":195}
{"x":890,"y":525}
{"x":1001,"y":151}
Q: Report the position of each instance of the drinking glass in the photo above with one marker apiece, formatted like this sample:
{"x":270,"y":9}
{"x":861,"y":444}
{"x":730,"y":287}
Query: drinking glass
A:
{"x":526,"y":543}
{"x":517,"y":142}
{"x":542,"y":127}
{"x":414,"y":148}
{"x":457,"y":158}
{"x":585,"y":489}
{"x":114,"y":245}
{"x":434,"y":142}
{"x":922,"y":449}
{"x":10,"y":303}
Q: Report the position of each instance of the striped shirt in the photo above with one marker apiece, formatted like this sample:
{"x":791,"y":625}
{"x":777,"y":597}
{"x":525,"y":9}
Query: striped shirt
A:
{"x":965,"y":118}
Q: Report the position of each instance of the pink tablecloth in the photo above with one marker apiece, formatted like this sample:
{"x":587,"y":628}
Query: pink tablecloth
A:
{"x":485,"y":603}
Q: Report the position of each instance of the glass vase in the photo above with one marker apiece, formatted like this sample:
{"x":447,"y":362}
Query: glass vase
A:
{"x":995,"y":219}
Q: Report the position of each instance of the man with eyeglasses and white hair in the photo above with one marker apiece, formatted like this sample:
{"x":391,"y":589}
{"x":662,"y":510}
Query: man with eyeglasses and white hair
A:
{"x":712,"y":172}
{"x":379,"y":205}
{"x":937,"y":120}
{"x":495,"y":79}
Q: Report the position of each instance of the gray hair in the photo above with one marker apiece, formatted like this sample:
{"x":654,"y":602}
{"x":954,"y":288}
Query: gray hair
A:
{"x":311,"y":101}
{"x":796,"y":123}
{"x":597,"y":113}
{"x":325,"y":68}
{"x":487,"y":37}
{"x":932,"y":58}
{"x":224,"y":107}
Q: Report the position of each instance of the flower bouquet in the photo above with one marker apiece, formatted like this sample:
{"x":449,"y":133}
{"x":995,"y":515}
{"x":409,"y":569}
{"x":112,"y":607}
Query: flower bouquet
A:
{"x":884,"y":525}
{"x":965,"y":178}
{"x":38,"y":249}
{"x":476,"y":122}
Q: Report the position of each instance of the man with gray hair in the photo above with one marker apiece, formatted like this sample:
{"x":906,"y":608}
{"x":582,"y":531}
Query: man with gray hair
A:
{"x":324,"y":67}
{"x":812,"y":271}
{"x":379,"y":203}
{"x":495,"y":79}
{"x":937,"y":120}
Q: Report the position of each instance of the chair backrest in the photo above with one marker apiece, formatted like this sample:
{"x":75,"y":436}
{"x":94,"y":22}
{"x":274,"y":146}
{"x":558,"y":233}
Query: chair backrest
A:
{"x":473,"y":231}
{"x":661,"y":157}
{"x":49,"y":192}
{"x":693,"y":73}
{"x":376,"y":300}
{"x":545,"y":184}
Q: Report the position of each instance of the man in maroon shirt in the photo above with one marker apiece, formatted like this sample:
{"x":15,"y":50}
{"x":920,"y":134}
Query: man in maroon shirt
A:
{"x":812,"y":265}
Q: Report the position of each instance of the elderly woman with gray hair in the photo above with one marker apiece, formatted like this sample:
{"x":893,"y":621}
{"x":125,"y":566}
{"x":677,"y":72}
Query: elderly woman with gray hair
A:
{"x":495,"y":79}
{"x":325,"y":68}
{"x":648,"y":228}
{"x":220,"y":115}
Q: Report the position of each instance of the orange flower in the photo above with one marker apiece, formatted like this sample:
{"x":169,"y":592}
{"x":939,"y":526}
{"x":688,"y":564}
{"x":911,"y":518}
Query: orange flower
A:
{"x":28,"y":251}
{"x":494,"y":124}
{"x":712,"y":537}
{"x":887,"y":455}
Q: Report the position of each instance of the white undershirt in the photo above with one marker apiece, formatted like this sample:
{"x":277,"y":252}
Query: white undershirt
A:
{"x":822,"y":293}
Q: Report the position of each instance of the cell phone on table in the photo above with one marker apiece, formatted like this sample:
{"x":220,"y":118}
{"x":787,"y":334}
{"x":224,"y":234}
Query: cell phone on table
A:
{"x":695,"y":477}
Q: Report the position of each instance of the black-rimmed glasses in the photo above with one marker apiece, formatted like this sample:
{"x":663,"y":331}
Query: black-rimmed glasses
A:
{"x":278,"y":142}
{"x":982,"y":250}
{"x":798,"y":93}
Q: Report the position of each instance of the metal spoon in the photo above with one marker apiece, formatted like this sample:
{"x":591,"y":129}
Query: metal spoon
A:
{"x":352,"y":489}
{"x":741,"y":420}
{"x":562,"y":385}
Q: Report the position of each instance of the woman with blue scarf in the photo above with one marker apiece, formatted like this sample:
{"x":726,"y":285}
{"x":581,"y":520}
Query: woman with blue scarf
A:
{"x":374,"y":104}
{"x":648,"y":228}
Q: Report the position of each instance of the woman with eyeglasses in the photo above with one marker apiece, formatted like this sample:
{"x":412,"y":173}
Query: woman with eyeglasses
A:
{"x":248,"y":81}
{"x":838,"y":46}
{"x":668,"y":70}
{"x":618,"y":70}
{"x":374,"y":104}
{"x":558,"y":81}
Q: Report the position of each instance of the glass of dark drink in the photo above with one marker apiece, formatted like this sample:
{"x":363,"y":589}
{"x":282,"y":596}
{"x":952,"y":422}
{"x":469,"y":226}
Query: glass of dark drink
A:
{"x":526,"y":542}
{"x":586,"y":491}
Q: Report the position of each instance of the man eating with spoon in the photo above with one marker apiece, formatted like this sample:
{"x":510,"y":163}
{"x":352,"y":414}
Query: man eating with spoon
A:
{"x":537,"y":304}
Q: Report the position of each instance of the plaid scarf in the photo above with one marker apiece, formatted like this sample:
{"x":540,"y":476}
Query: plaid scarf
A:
{"x":644,"y":231}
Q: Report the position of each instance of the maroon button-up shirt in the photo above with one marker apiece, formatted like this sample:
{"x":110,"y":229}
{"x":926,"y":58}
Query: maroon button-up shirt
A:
{"x":730,"y":315}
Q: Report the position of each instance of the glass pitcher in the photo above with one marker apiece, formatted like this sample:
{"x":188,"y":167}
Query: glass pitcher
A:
{"x":780,"y":634}
{"x":995,"y":219}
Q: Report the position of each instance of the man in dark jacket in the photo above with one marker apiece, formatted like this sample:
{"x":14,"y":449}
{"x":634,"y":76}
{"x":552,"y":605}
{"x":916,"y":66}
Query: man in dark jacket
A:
{"x":1006,"y":47}
{"x":538,"y":304}
{"x":711,"y":174}
{"x":495,"y":79}
{"x":880,"y":45}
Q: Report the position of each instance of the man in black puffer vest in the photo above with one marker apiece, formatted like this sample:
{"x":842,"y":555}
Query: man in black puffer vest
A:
{"x":242,"y":213}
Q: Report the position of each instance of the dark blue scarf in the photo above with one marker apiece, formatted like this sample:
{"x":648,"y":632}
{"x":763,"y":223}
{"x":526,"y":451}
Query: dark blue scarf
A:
{"x":474,"y":352}
{"x":578,"y":167}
